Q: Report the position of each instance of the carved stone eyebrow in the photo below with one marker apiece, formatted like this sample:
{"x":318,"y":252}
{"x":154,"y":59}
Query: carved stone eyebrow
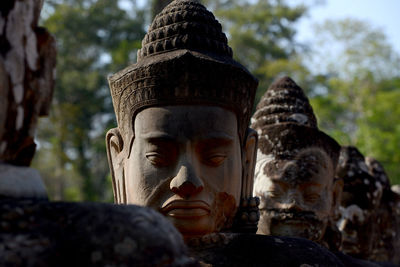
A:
{"x":209,"y":144}
{"x":309,"y":184}
{"x":216,"y":137}
{"x":158,"y":136}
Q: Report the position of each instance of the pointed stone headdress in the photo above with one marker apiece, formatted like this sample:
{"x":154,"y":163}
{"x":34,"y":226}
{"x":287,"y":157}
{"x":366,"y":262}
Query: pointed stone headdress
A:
{"x":285,"y":122}
{"x":184,"y":60}
{"x":360,"y":187}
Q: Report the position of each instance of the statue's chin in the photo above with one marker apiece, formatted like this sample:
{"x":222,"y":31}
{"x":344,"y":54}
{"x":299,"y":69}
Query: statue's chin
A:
{"x":192,"y":226}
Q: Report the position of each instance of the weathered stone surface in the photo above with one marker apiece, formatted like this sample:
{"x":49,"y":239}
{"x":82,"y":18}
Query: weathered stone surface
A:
{"x":183,"y":146}
{"x":185,"y":59}
{"x":387,"y":248}
{"x":41,"y":233}
{"x":294,"y":174}
{"x":261,"y":250}
{"x":361,"y":198}
{"x":284,"y":101}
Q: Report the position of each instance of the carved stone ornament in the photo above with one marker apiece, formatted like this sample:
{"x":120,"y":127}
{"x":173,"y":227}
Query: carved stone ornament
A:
{"x":44,"y":233}
{"x":294,"y":175}
{"x":185,"y":59}
{"x":183,"y":146}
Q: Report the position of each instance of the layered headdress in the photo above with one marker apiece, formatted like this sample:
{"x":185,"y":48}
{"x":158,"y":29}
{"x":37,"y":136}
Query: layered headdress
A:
{"x":184,"y":60}
{"x":360,"y":187}
{"x":286,"y":124}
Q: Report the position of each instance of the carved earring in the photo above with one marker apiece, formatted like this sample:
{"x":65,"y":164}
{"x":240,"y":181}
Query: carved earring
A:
{"x":247,"y":216}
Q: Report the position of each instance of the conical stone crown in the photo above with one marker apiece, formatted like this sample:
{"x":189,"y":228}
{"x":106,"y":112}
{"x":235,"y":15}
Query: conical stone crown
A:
{"x":376,"y":169}
{"x":283,"y":102}
{"x":360,"y":187}
{"x":184,"y":60}
{"x":185,"y":24}
{"x":351,"y":163}
{"x":285,"y":123}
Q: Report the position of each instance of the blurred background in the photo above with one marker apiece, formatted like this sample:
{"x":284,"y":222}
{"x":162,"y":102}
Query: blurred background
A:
{"x":345,"y":55}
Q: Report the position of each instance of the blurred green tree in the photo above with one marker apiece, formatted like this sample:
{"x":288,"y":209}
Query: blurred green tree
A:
{"x":157,"y":6}
{"x":94,"y":39}
{"x":355,"y":98}
{"x":358,"y":102}
{"x":262,"y":36}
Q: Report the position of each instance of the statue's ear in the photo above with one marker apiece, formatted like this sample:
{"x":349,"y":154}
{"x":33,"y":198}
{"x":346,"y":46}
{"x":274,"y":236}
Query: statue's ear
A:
{"x":247,"y":216}
{"x":249,"y":162}
{"x":115,"y":154}
{"x":337,"y":195}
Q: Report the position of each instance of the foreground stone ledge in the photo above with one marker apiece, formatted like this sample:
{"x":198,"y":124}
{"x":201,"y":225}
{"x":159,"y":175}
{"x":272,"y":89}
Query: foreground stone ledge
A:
{"x":42,"y":233}
{"x":261,"y":250}
{"x":228,"y":249}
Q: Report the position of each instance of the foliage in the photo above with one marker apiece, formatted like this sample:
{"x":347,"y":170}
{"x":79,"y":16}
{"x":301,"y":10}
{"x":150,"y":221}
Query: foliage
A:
{"x":94,"y":38}
{"x":355,"y":98}
{"x":359,"y":103}
{"x":262,"y":37}
{"x":157,"y":6}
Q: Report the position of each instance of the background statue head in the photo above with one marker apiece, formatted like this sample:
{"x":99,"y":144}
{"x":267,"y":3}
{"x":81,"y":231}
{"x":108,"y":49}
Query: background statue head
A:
{"x":360,"y":200}
{"x":295,"y":167}
{"x":388,"y":241}
{"x":182,"y":145}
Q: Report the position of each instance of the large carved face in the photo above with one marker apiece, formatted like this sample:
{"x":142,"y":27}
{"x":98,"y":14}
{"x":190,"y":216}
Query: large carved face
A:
{"x":186,"y":162}
{"x":297,"y":196}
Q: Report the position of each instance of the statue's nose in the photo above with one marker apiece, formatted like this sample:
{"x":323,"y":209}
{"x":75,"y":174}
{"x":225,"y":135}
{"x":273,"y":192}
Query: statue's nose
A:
{"x":292,"y":202}
{"x":186,"y":183}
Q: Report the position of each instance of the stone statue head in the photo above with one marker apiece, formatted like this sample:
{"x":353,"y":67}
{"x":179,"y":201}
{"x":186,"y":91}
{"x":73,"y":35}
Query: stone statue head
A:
{"x":295,"y":168}
{"x":361,"y":198}
{"x":183,"y":146}
{"x":384,"y":247}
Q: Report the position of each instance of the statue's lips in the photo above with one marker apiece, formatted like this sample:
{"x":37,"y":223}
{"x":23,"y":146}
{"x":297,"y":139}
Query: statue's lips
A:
{"x":292,"y":217}
{"x":186,"y":209}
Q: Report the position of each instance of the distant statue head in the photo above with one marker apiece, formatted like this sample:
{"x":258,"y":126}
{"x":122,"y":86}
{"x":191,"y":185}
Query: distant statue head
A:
{"x":386,"y":246}
{"x":183,"y":146}
{"x":294,"y":175}
{"x":360,"y":200}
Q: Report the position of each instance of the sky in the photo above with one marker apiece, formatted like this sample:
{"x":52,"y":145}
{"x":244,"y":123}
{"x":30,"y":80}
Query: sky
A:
{"x":384,"y":14}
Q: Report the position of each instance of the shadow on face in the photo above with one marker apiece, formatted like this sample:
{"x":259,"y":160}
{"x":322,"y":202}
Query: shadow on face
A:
{"x":185,"y":161}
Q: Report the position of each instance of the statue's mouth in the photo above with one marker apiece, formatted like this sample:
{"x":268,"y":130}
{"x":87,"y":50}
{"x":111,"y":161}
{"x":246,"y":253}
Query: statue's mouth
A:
{"x":186,"y":209}
{"x":291,"y":216}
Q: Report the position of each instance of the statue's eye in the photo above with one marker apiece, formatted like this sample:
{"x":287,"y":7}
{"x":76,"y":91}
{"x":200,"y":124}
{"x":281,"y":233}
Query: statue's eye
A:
{"x":311,"y":197}
{"x":157,"y":159}
{"x":214,"y":160}
{"x":274,"y":194}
